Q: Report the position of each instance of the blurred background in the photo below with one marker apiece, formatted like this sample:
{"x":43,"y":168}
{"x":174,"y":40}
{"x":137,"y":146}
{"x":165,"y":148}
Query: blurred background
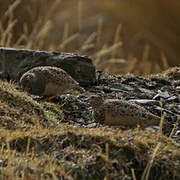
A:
{"x":121,"y":36}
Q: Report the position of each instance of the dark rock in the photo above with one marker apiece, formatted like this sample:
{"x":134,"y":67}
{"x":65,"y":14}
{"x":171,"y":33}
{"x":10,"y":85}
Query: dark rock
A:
{"x":145,"y":101}
{"x":15,"y":62}
{"x":4,"y":76}
{"x":143,"y":90}
{"x":76,"y":110}
{"x":166,"y":111}
{"x":164,"y":95}
{"x":172,"y":99}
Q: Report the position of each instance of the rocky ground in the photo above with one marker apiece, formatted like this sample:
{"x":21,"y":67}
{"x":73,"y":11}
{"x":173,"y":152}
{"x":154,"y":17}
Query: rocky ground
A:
{"x":157,"y":93}
{"x":59,"y":139}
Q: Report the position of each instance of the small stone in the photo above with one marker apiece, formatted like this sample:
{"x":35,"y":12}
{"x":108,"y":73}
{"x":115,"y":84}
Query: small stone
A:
{"x":92,"y":125}
{"x":145,"y":101}
{"x":164,"y":95}
{"x":178,"y":88}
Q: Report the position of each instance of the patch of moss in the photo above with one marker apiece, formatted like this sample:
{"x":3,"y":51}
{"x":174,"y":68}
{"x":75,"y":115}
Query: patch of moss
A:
{"x":73,"y":92}
{"x":53,"y":110}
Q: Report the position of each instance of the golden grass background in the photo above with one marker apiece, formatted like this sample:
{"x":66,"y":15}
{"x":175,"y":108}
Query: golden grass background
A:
{"x":121,"y":36}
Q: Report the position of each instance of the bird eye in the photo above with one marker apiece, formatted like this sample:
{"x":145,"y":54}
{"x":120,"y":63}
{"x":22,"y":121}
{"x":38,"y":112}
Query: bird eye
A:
{"x":94,"y":97}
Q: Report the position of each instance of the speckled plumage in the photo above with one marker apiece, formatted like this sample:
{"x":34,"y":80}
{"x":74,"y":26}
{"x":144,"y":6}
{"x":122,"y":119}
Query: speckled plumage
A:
{"x":47,"y":81}
{"x":117,"y":112}
{"x":172,"y":73}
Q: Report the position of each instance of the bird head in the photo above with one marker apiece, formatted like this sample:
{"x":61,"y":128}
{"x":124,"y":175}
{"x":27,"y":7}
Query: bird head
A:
{"x":95,"y":101}
{"x":32,"y":83}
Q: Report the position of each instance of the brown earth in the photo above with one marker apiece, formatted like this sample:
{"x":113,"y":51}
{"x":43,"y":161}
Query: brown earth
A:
{"x":44,"y":140}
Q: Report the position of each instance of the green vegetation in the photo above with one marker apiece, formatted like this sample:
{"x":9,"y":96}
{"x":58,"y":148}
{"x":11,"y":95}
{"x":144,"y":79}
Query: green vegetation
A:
{"x":53,"y":110}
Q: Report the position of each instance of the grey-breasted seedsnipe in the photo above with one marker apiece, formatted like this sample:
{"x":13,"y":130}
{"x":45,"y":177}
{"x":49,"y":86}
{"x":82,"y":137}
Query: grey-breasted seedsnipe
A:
{"x":117,"y":112}
{"x":47,"y":81}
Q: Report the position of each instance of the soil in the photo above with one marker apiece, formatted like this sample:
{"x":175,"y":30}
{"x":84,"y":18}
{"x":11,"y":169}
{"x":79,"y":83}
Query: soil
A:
{"x":59,"y":139}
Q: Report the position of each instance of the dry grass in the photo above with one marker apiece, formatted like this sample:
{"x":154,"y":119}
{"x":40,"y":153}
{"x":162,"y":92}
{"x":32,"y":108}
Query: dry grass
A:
{"x":39,"y":146}
{"x":34,"y":143}
{"x":86,"y":28}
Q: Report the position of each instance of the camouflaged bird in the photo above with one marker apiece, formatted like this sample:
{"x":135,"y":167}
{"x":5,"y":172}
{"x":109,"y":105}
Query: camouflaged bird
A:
{"x":117,"y":112}
{"x":47,"y":81}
